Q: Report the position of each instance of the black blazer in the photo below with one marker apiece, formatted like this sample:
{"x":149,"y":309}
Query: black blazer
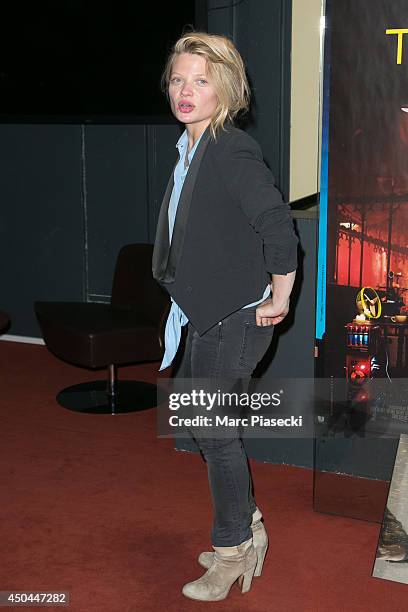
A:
{"x":232,"y":231}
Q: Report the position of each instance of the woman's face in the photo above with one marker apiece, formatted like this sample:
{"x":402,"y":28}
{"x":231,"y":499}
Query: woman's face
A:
{"x":192,"y":96}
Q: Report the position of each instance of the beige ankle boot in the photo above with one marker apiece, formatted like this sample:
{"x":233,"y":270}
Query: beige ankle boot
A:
{"x":230,"y":563}
{"x":260,"y":541}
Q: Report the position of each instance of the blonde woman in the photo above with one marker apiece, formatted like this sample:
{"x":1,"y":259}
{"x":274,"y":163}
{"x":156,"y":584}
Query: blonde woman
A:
{"x":226,"y":252}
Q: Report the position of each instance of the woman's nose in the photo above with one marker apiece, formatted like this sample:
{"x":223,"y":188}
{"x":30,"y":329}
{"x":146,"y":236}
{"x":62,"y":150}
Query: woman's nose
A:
{"x":187,"y":89}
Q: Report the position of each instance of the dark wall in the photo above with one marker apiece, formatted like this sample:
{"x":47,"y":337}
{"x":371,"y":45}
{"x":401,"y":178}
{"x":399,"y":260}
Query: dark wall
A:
{"x":262,"y":33}
{"x":41,"y":219}
{"x":71,"y":196}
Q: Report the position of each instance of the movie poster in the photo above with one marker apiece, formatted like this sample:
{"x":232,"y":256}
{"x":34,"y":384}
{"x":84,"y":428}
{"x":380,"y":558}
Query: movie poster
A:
{"x":362,"y":292}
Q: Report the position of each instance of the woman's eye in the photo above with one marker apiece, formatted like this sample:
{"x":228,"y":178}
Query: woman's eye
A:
{"x":175,"y":80}
{"x":201,"y":81}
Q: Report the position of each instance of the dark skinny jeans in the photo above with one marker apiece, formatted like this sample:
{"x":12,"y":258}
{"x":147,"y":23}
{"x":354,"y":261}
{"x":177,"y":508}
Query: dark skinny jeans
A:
{"x":228,"y":351}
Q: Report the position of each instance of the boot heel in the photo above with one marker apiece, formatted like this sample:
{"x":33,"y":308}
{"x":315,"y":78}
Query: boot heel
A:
{"x":244,"y":581}
{"x":259,"y":564}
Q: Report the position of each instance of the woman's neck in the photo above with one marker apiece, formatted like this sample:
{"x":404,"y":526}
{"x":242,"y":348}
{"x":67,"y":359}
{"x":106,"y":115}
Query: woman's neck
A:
{"x":194,"y":132}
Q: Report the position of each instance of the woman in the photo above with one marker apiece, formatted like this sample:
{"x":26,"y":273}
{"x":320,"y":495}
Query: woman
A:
{"x":224,"y":240}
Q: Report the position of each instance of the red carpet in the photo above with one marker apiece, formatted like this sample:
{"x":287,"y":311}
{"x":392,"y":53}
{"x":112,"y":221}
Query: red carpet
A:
{"x":99,"y":506}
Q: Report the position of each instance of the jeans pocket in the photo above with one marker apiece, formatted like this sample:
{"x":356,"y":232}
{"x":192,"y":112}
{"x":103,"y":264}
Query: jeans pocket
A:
{"x":255,"y":342}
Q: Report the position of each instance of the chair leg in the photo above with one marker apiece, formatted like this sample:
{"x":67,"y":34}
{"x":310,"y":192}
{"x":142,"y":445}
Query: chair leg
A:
{"x":112,"y":387}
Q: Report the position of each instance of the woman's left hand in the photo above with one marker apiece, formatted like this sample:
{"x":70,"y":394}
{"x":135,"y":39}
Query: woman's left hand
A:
{"x":270,"y":313}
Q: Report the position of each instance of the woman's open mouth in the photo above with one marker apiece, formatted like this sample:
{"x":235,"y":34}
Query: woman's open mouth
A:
{"x":185,"y":107}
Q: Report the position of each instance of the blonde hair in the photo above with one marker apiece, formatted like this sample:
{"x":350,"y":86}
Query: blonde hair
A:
{"x":225,"y":68}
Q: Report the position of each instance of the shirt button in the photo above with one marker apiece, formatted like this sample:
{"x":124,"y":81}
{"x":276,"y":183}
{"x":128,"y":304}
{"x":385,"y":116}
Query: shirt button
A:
{"x":189,"y":289}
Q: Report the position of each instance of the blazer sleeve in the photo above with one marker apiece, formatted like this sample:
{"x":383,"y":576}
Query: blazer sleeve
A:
{"x":252,"y":185}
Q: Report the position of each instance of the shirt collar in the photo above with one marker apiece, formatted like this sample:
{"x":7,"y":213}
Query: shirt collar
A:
{"x":182,"y":145}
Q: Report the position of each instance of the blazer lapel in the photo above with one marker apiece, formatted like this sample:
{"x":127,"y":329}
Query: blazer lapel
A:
{"x":161,"y":244}
{"x":166,"y":257}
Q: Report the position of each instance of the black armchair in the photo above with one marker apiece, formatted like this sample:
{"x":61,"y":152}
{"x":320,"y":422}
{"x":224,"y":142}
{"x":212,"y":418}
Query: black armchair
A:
{"x":4,"y":321}
{"x":93,"y":335}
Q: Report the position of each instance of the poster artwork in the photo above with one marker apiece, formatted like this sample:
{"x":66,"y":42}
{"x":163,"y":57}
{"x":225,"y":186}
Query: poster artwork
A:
{"x":362,"y":309}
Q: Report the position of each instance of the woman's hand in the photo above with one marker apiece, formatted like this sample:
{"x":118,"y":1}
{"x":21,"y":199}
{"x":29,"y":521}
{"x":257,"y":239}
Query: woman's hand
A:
{"x":273,"y":310}
{"x":271,"y":313}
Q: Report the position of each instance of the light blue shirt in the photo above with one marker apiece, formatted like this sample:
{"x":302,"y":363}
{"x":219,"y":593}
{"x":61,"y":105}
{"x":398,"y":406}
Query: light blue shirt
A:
{"x":176,"y":318}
